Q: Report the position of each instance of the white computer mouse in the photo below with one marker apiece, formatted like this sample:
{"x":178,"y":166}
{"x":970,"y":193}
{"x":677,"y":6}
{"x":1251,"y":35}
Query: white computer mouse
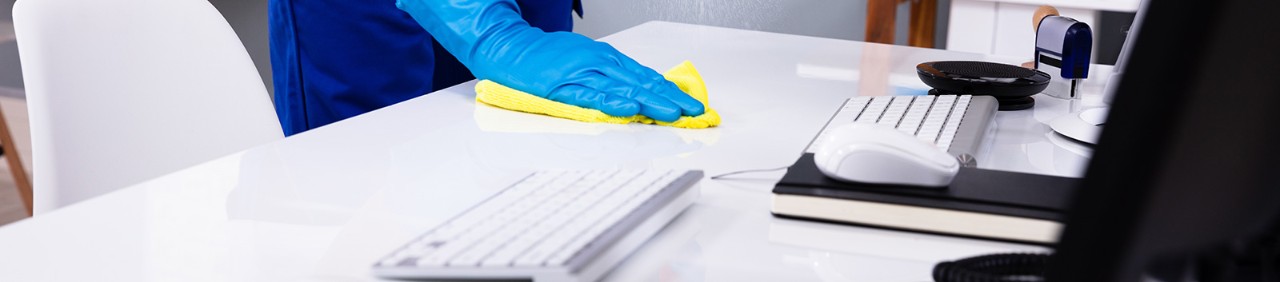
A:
{"x":871,"y":153}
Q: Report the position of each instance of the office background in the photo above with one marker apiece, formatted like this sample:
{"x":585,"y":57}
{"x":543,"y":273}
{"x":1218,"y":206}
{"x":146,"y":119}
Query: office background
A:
{"x":840,"y":19}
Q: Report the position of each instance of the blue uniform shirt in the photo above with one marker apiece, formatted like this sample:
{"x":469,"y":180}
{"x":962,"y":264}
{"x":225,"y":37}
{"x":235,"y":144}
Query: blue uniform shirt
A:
{"x":334,"y":59}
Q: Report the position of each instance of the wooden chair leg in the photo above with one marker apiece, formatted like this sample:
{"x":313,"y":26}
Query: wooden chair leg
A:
{"x":924,"y":18}
{"x":881,"y":16}
{"x":15,"y":164}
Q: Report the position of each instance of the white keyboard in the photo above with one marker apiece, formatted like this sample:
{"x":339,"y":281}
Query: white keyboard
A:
{"x":954,"y":123}
{"x":549,"y":226}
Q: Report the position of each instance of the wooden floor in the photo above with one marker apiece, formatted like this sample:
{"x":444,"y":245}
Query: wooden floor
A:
{"x":15,"y":112}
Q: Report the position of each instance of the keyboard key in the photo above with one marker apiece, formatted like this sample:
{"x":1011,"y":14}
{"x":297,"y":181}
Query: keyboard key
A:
{"x":915,"y":115}
{"x":962,"y":103}
{"x":505,"y":256}
{"x":874,"y":110}
{"x":948,"y":100}
{"x":432,"y":261}
{"x":852,"y":108}
{"x":893,"y":114}
{"x":950,"y":129}
{"x":392,"y":261}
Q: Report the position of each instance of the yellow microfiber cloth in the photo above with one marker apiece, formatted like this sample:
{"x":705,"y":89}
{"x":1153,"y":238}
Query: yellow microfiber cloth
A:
{"x":683,"y":75}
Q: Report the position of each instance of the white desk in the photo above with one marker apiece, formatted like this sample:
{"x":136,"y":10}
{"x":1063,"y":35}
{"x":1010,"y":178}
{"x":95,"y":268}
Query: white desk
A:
{"x":325,"y":204}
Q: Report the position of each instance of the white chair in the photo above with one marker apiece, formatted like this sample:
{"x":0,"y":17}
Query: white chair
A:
{"x":127,"y":90}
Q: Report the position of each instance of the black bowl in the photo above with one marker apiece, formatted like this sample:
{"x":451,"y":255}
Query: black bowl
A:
{"x":982,"y":78}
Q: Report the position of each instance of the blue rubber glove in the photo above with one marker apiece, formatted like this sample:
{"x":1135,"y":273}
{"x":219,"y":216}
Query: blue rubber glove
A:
{"x":495,"y":43}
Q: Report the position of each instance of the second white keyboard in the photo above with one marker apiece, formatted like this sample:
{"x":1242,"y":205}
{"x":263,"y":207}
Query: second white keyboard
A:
{"x":552,"y":225}
{"x":953,"y":123}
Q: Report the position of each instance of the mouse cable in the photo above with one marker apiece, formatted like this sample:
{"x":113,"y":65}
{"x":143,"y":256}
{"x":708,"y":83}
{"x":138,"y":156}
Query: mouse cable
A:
{"x":723,"y":175}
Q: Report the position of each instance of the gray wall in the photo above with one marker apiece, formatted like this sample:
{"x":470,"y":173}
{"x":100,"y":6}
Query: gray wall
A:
{"x":841,"y":19}
{"x":10,"y":70}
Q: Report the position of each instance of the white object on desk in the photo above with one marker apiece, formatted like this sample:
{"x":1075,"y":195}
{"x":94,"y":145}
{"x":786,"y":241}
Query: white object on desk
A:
{"x":875,"y":153}
{"x":324,"y":204}
{"x":1083,"y":126}
{"x":125,"y":91}
{"x":551,"y":226}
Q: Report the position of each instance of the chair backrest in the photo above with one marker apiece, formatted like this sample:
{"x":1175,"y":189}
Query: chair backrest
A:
{"x":123,"y":91}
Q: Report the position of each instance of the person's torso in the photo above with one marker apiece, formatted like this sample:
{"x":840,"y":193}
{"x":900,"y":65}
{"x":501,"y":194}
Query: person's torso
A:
{"x":333,"y":59}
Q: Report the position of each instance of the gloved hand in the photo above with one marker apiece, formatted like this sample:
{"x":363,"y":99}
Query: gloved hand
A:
{"x":495,"y":43}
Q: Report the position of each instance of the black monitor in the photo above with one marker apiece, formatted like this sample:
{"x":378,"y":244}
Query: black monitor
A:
{"x":1185,"y":181}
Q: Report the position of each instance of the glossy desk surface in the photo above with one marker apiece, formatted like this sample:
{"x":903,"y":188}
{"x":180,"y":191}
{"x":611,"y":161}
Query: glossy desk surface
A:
{"x":325,"y":204}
